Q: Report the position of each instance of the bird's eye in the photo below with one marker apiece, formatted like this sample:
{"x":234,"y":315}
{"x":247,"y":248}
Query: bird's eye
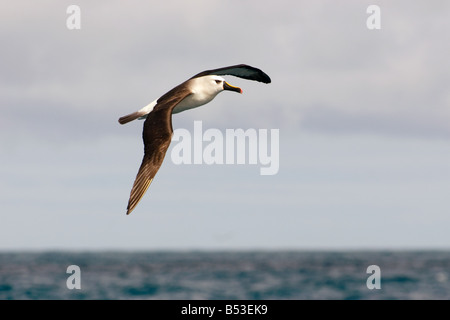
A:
{"x":218,"y":81}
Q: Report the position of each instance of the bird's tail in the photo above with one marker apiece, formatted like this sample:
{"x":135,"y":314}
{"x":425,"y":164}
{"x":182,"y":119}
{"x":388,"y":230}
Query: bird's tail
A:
{"x":131,"y":117}
{"x":138,"y":114}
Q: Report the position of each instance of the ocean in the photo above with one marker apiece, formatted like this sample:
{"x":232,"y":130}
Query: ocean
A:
{"x":246,"y":275}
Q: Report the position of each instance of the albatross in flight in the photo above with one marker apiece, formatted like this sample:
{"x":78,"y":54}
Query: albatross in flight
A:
{"x":157,"y":132}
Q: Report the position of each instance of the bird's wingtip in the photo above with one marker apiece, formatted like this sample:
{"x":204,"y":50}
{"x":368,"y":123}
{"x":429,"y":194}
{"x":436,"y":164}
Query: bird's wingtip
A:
{"x":129,"y":210}
{"x":266,"y":78}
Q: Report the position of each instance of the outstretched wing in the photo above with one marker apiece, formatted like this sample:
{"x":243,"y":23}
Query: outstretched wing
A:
{"x":239,"y":70}
{"x":157,"y":135}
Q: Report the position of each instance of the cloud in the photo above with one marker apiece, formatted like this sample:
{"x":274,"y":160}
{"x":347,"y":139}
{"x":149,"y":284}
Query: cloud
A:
{"x":316,"y":54}
{"x":401,"y":124}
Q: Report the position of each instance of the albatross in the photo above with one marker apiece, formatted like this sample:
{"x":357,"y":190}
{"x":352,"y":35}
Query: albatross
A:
{"x":157,"y":131}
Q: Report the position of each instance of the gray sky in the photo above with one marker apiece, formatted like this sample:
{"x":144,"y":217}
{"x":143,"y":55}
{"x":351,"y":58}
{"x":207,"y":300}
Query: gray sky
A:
{"x":363,"y":117}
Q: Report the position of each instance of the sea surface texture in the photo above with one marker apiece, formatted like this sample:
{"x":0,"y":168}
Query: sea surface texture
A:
{"x":226,"y":275}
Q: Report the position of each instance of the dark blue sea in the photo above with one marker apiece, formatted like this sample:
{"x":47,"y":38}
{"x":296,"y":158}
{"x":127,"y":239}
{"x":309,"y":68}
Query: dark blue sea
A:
{"x":286,"y":275}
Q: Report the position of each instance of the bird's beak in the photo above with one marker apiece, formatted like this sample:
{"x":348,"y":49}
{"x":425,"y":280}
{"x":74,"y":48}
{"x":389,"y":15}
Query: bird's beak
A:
{"x":227,"y":86}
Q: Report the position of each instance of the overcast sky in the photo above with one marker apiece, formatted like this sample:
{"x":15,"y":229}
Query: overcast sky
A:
{"x":363,"y":118}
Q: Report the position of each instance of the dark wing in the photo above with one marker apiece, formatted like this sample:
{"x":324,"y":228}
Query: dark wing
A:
{"x":157,"y":135}
{"x":239,"y":70}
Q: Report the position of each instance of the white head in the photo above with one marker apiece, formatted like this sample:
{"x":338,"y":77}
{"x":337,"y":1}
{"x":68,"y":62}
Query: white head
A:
{"x":215,"y":84}
{"x":204,"y":89}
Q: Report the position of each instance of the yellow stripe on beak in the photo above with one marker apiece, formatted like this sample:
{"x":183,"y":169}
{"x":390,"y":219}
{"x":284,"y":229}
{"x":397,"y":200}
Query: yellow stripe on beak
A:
{"x":227,"y":86}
